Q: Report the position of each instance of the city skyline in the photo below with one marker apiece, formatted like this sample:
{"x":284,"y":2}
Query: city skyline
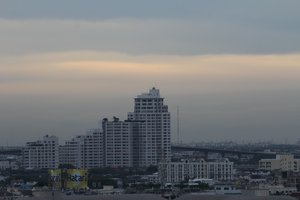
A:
{"x":232,"y":67}
{"x":142,"y":140}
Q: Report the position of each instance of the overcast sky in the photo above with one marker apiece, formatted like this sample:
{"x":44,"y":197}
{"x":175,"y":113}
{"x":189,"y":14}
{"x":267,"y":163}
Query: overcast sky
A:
{"x":232,"y":67}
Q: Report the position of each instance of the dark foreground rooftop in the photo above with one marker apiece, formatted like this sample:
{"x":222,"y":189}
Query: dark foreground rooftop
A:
{"x":232,"y":197}
{"x":60,"y":196}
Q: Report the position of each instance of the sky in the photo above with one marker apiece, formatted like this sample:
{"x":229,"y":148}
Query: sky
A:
{"x":232,"y":67}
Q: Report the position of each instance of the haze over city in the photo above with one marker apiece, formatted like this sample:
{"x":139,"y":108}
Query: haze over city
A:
{"x":232,"y":67}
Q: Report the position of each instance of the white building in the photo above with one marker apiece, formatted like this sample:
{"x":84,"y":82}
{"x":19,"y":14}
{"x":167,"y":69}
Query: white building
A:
{"x":142,"y":140}
{"x":151,"y":178}
{"x":153,"y":137}
{"x":70,"y":152}
{"x":85,"y":151}
{"x":6,"y":164}
{"x":41,"y":154}
{"x":118,"y":143}
{"x":176,"y":172}
{"x":281,"y":162}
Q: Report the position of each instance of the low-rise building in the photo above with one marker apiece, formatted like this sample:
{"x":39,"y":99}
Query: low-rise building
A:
{"x":7,"y":164}
{"x":281,"y":162}
{"x":151,"y":178}
{"x":176,"y":172}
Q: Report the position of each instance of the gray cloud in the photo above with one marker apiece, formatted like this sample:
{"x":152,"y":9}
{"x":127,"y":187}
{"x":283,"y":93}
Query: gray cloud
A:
{"x":114,"y":9}
{"x":148,"y":36}
{"x":150,"y":27}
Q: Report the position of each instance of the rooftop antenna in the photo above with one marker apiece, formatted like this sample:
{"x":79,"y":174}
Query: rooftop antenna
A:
{"x":99,"y":121}
{"x":178,"y":129}
{"x":156,"y":85}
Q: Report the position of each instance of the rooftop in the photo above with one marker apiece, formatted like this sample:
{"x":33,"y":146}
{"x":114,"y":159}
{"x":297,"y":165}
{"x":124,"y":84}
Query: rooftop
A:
{"x":153,"y":93}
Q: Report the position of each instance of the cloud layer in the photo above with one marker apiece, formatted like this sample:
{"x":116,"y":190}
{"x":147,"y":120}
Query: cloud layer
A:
{"x":220,"y":96}
{"x":147,"y":36}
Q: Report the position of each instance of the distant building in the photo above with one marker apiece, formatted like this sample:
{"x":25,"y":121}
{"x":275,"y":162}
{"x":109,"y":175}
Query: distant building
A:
{"x":6,"y":164}
{"x":41,"y":154}
{"x":70,"y":152}
{"x":151,"y":178}
{"x":153,"y":139}
{"x":281,"y":162}
{"x":176,"y":172}
{"x":111,"y":147}
{"x":85,"y":151}
{"x":10,"y":157}
{"x":118,"y":142}
{"x":144,"y":139}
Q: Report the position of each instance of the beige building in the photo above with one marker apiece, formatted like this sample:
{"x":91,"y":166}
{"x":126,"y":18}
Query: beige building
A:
{"x":281,"y":162}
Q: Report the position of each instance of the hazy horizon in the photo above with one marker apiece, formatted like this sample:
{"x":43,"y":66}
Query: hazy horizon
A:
{"x":232,"y":67}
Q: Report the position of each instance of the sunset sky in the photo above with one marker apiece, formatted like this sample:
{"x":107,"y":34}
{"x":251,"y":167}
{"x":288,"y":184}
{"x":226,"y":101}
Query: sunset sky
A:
{"x":232,"y":67}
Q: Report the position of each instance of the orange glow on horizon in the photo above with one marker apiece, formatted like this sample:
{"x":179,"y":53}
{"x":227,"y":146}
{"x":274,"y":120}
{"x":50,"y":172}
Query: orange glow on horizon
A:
{"x":73,"y":70}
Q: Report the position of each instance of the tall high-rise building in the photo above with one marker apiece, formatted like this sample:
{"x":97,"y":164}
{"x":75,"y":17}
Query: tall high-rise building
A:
{"x":41,"y":154}
{"x":143,"y":139}
{"x":152,"y":137}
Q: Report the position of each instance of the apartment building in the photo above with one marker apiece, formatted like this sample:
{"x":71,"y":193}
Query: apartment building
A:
{"x":154,"y":133}
{"x":84,"y":151}
{"x":118,"y":142}
{"x":41,"y":154}
{"x":176,"y":172}
{"x":144,"y":139}
{"x":283,"y":162}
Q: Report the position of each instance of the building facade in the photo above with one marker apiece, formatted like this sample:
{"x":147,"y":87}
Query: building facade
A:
{"x":41,"y":154}
{"x":6,"y":164}
{"x":144,"y":139}
{"x":281,"y":162}
{"x":118,"y":143}
{"x":176,"y":172}
{"x":153,"y":134}
{"x":84,"y":151}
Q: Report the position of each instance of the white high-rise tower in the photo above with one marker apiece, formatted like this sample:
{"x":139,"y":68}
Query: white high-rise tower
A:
{"x":153,"y":135}
{"x":142,"y":140}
